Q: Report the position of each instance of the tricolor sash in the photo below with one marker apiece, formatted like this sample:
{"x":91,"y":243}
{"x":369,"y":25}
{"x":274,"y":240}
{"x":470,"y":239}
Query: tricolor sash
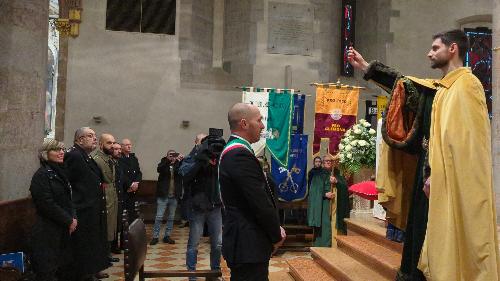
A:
{"x":237,"y":142}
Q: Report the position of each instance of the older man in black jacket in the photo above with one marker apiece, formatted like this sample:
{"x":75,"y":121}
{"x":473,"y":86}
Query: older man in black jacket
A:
{"x":132,"y":176}
{"x":251,"y":225}
{"x":90,"y":249}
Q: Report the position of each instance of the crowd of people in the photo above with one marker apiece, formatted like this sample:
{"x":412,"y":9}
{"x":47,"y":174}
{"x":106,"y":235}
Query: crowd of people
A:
{"x":79,"y":195}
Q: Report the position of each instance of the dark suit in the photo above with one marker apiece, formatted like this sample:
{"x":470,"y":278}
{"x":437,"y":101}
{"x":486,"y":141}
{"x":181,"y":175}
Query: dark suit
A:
{"x":251,"y":223}
{"x":131,"y":173}
{"x":89,"y":241}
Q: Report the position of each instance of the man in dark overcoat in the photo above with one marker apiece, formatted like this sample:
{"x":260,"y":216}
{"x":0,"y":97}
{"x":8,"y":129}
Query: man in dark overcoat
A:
{"x":90,"y":250}
{"x":132,"y":176}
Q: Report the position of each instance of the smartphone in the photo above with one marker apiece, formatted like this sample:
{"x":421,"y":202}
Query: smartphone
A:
{"x":174,"y":154}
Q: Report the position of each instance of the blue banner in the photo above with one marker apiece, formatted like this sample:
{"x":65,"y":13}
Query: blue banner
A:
{"x":299,"y":102}
{"x":291,"y":182}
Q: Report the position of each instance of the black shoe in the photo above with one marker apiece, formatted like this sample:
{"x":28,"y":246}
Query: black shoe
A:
{"x":102,"y":275}
{"x":154,"y":241}
{"x":112,"y":259}
{"x":116,"y":251}
{"x":89,"y":278}
{"x":168,"y":240}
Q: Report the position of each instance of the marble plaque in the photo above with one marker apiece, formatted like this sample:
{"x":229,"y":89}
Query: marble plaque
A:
{"x":290,"y":29}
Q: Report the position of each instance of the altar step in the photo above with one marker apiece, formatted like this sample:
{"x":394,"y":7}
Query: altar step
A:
{"x":344,"y":267}
{"x":372,"y":228}
{"x":362,"y":255}
{"x":371,"y":254}
{"x":302,"y":269}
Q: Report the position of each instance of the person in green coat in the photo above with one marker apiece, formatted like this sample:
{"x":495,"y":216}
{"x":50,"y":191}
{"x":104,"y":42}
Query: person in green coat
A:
{"x":318,"y":211}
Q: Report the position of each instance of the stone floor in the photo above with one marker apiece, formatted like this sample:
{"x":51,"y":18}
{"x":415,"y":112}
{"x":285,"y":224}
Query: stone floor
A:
{"x":165,"y":256}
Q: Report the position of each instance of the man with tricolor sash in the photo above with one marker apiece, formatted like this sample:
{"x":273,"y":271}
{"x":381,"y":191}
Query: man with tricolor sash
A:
{"x":252,"y":230}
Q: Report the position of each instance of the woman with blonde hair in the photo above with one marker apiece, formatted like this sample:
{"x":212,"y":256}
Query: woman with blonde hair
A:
{"x":55,"y":215}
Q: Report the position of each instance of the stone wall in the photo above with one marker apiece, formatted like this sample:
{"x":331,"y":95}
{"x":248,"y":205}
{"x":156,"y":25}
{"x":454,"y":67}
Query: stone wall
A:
{"x":133,"y":82}
{"x":23,"y":68}
{"x":413,"y":23}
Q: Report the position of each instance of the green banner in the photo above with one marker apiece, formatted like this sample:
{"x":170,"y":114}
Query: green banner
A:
{"x":279,"y":123}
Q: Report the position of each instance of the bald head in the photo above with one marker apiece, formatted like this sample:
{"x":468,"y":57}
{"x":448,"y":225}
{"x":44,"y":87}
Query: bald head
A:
{"x":245,"y":120}
{"x":106,"y":142}
{"x":106,"y":137}
{"x":198,"y":138}
{"x":238,"y":112}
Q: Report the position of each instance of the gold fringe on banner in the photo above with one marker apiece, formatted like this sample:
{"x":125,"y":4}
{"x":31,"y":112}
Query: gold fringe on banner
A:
{"x":292,"y":91}
{"x":337,"y":84}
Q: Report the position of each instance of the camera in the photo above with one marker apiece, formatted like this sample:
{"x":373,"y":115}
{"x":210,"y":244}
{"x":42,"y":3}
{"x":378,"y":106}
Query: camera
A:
{"x":214,"y":143}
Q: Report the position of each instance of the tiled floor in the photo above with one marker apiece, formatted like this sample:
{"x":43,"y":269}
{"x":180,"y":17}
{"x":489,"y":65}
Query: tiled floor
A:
{"x":166,"y":256}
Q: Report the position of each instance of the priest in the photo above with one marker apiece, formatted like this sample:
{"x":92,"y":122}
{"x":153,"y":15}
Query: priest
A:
{"x":436,"y":168}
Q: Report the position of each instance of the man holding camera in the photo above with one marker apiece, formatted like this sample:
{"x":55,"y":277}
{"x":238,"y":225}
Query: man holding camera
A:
{"x":201,"y":176}
{"x":168,"y":190}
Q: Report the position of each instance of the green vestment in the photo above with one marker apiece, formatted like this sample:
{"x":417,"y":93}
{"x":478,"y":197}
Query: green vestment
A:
{"x":318,"y":211}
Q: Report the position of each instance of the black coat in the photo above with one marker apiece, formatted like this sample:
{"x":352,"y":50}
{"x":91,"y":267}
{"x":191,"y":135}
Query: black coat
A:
{"x":251,"y":222}
{"x":201,"y":178}
{"x":131,"y":170}
{"x":89,"y":241}
{"x":51,"y":193}
{"x":163,"y":183}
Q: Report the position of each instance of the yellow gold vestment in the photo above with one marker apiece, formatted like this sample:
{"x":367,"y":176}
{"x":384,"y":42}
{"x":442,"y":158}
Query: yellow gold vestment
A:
{"x":461,"y":239}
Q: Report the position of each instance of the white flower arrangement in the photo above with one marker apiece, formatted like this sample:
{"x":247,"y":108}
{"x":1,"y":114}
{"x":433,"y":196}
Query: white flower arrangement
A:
{"x":357,"y":148}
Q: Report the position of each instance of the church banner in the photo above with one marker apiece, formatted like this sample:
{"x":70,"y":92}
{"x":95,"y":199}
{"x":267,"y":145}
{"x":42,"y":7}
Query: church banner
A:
{"x":298,"y":114}
{"x":336,"y":111}
{"x":276,"y":108}
{"x":291,"y":182}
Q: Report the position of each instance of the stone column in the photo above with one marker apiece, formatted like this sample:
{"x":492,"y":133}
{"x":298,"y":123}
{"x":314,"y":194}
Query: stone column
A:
{"x":23,"y":70}
{"x":62,"y":74}
{"x":496,"y":104}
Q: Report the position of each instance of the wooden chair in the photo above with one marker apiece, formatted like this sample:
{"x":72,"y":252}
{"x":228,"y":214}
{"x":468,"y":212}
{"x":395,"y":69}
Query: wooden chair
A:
{"x":135,"y":246}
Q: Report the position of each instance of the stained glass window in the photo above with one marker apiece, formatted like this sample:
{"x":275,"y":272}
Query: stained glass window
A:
{"x":479,"y":58}
{"x":347,"y":35}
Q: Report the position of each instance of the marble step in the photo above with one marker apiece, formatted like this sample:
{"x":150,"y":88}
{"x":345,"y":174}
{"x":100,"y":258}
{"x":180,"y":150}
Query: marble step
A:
{"x":378,"y":257}
{"x":373,"y":229}
{"x":302,"y":269}
{"x":279,"y":276}
{"x":344,"y":267}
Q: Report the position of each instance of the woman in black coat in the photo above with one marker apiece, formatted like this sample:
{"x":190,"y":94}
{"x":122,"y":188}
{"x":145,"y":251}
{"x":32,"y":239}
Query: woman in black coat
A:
{"x":51,"y":193}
